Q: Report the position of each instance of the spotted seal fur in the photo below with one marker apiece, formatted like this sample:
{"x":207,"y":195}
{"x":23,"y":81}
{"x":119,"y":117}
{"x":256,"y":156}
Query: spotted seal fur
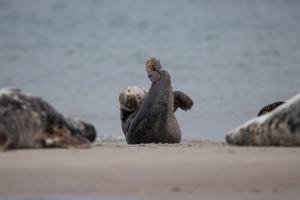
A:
{"x":280,"y":127}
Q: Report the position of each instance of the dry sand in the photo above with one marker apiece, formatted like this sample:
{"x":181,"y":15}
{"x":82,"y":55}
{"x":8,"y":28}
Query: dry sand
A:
{"x":192,"y":170}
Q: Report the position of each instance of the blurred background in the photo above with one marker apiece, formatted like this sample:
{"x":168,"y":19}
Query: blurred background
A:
{"x":232,"y":57}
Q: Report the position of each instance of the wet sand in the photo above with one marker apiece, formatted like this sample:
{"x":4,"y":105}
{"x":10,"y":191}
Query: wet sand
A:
{"x":192,"y":170}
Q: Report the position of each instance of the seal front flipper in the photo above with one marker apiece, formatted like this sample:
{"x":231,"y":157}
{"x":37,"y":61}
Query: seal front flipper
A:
{"x":268,"y":108}
{"x":182,"y":101}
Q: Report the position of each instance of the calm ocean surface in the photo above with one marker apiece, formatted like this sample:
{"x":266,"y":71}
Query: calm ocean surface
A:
{"x":231,"y":56}
{"x":65,"y":197}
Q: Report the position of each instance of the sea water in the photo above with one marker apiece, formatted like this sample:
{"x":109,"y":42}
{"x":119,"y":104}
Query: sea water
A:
{"x":65,"y":197}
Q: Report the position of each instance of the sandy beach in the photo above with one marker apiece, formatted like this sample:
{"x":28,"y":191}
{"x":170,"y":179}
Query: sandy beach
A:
{"x":192,"y":170}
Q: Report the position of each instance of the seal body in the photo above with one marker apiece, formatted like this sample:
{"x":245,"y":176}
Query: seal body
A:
{"x":281,"y":127}
{"x":27,"y":121}
{"x":152,"y":118}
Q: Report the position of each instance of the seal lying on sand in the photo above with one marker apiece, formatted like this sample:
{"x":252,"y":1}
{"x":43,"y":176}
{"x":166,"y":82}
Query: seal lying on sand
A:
{"x":27,"y":121}
{"x":148,"y":117}
{"x":281,"y":127}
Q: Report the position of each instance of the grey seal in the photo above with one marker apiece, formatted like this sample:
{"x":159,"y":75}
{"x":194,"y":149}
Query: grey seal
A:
{"x":148,"y":116}
{"x":279,"y":125}
{"x":27,"y":121}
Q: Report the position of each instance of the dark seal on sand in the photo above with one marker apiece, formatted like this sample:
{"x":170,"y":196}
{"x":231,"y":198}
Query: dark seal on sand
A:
{"x":148,"y":116}
{"x":280,"y":127}
{"x":27,"y":121}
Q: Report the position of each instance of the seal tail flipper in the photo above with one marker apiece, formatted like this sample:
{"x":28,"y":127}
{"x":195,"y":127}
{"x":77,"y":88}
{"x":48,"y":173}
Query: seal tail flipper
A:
{"x":182,"y":101}
{"x":153,"y":68}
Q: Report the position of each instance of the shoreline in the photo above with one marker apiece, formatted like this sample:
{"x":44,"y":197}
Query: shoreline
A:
{"x":153,"y":171}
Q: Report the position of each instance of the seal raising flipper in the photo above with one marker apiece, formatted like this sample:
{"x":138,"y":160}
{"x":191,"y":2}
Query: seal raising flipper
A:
{"x":151,"y":118}
{"x":27,"y":121}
